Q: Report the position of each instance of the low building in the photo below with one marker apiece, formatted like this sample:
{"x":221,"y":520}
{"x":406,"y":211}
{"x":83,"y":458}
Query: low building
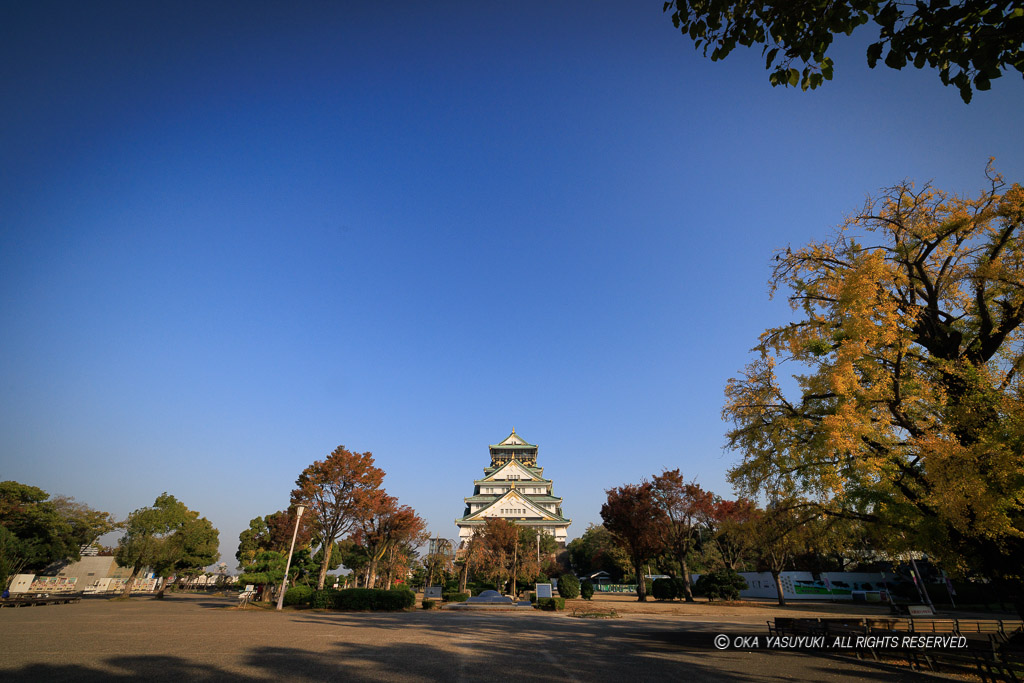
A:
{"x":90,"y":574}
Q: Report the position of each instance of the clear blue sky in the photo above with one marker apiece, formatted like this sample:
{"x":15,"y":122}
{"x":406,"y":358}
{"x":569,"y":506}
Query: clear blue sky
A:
{"x":234,"y":236}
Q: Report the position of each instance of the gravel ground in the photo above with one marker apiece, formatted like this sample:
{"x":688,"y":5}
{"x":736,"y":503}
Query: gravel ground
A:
{"x":206,"y":638}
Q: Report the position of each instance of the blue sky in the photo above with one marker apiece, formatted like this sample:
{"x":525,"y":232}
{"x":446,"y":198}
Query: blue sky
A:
{"x":233,"y":237}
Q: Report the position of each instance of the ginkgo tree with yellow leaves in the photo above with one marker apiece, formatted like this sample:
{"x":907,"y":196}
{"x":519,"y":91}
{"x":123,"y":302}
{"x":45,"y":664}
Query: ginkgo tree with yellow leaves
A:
{"x":895,"y":396}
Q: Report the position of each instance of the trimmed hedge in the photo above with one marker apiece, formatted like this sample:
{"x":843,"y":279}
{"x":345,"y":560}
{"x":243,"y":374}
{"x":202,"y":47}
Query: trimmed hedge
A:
{"x":551,"y":604}
{"x":586,"y":589}
{"x":455,"y":597}
{"x":721,"y":585}
{"x":665,"y":589}
{"x":364,"y":599}
{"x":568,"y":586}
{"x":429,"y":604}
{"x":298,"y":595}
{"x":325,"y":599}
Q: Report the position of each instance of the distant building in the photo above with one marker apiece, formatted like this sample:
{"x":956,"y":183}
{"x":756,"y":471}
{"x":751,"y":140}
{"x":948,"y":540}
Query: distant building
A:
{"x":515,"y":489}
{"x":90,"y":574}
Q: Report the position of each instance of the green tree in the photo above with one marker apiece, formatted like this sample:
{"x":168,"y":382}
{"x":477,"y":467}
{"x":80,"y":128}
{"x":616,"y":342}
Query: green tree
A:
{"x":273,"y":532}
{"x":189,"y":550}
{"x":970,"y":42}
{"x":777,"y":535}
{"x":252,"y":542}
{"x":597,"y":550}
{"x":165,"y":537}
{"x":39,"y":531}
{"x":338,"y":491}
{"x":267,"y":570}
{"x":909,"y":408}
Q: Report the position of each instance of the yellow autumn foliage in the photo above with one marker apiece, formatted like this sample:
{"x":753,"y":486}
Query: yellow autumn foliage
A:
{"x":909,"y":412}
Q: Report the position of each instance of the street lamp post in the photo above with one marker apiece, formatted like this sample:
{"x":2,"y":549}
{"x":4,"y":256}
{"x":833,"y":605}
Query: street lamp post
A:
{"x":299,"y":509}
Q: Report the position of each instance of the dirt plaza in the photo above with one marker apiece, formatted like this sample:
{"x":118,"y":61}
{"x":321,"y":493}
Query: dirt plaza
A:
{"x":205,"y":638}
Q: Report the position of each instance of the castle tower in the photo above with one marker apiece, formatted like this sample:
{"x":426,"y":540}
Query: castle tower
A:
{"x":514,"y":488}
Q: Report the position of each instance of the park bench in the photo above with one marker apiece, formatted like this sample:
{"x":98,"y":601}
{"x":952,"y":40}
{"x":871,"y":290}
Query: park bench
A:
{"x":933,"y":625}
{"x":30,"y":601}
{"x":794,"y":626}
{"x":842,"y":627}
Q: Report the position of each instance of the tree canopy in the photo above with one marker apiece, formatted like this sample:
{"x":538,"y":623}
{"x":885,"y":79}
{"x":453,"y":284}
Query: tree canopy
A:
{"x":338,"y":492}
{"x":387,"y":530}
{"x":597,"y":550}
{"x":906,"y":404}
{"x":632,"y":515}
{"x":686,"y":507}
{"x":273,"y":532}
{"x":36,"y":531}
{"x":970,"y":42}
{"x":168,"y":537}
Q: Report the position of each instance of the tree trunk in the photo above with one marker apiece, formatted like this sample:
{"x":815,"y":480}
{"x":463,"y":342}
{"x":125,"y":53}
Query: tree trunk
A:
{"x":328,"y":547}
{"x":777,"y":575}
{"x":131,"y":581}
{"x":641,"y":583}
{"x":163,"y":587}
{"x":687,"y":589}
{"x":464,"y":576}
{"x":389,"y":567}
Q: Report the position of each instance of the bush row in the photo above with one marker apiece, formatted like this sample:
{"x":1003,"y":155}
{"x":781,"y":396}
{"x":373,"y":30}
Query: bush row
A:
{"x":551,"y":604}
{"x":363,"y":599}
{"x":668,"y":589}
{"x":455,"y":597}
{"x":298,"y":595}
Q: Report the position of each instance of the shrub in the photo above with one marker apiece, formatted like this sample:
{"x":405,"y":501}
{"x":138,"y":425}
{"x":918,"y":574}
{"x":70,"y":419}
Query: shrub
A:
{"x":725,"y":584}
{"x":533,"y":597}
{"x":455,"y":597}
{"x":649,"y":584}
{"x":325,"y":599}
{"x":569,"y":586}
{"x":298,"y":595}
{"x":364,"y":599}
{"x":586,"y":589}
{"x":664,"y":589}
{"x":551,"y":604}
{"x":429,"y":604}
{"x":681,"y":584}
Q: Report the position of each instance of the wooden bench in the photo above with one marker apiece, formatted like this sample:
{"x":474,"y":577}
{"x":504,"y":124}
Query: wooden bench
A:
{"x":28,"y":601}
